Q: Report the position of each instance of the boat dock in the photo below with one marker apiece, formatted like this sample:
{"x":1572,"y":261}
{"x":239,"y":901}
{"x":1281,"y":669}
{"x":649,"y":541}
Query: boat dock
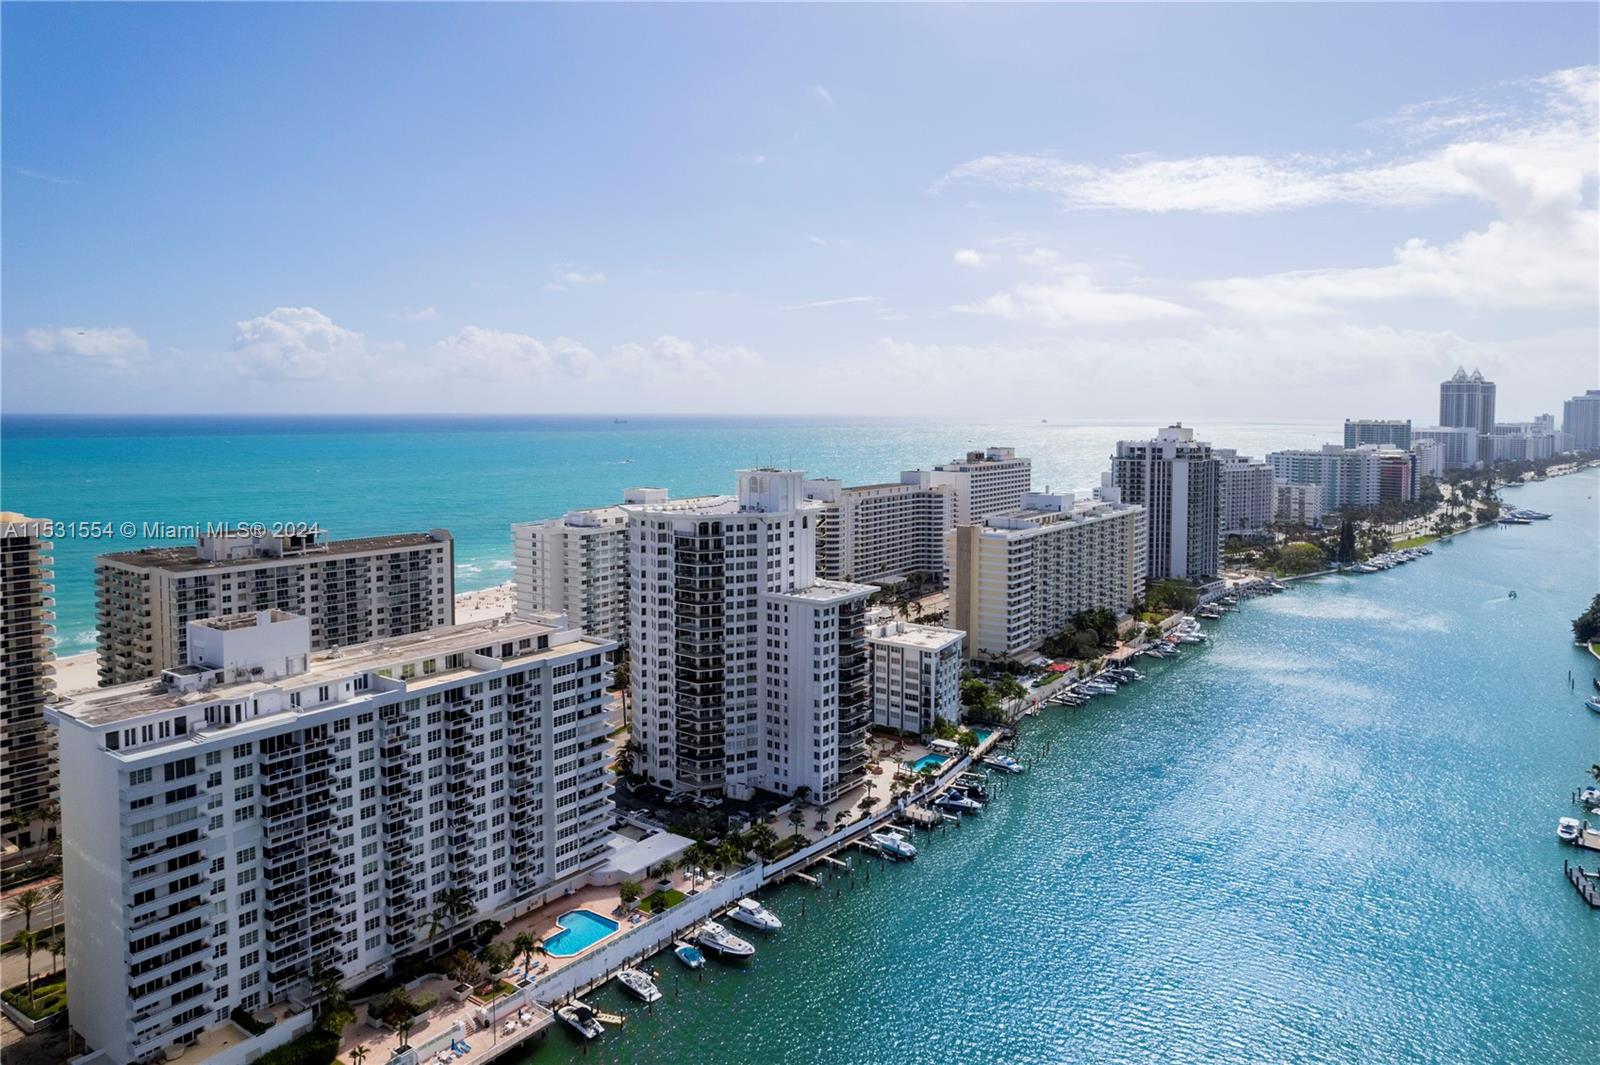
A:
{"x":1588,"y":838}
{"x":921,"y":816}
{"x":602,"y":1016}
{"x":836,"y":863}
{"x":1587,"y":883}
{"x":806,"y":878}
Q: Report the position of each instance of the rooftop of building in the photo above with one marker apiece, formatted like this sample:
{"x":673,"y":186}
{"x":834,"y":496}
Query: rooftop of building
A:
{"x":102,"y":706}
{"x":909,"y":634}
{"x":187,"y":559}
{"x":826,"y":591}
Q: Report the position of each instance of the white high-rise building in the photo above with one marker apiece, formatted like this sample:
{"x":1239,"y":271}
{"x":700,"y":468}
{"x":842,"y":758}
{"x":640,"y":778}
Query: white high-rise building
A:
{"x":1430,"y":459}
{"x":1297,"y":504}
{"x":1177,"y":479}
{"x":1580,"y":421}
{"x":749,"y":672}
{"x":1021,"y":577}
{"x":916,"y":675}
{"x":1246,"y":486}
{"x":882,"y":532}
{"x":1460,"y":445}
{"x":262,"y":811}
{"x":350,"y":591}
{"x":577,"y":565}
{"x":984,"y":483}
{"x":1350,"y":476}
{"x":27,"y":747}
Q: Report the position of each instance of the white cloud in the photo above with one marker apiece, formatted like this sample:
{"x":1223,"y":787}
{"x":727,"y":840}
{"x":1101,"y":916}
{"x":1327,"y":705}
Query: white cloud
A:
{"x":497,"y":354}
{"x":821,"y":92}
{"x":566,"y":276}
{"x":972,"y":257}
{"x":1074,"y":299}
{"x":1039,"y":257}
{"x":300,"y":343}
{"x":418,"y":314}
{"x":757,"y":159}
{"x":673,"y":358}
{"x":833,"y":302}
{"x":1552,"y":127}
{"x":117,"y":347}
{"x":818,"y":241}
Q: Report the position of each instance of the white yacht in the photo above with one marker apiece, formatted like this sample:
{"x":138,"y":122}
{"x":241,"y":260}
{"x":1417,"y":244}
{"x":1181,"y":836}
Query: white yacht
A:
{"x":893,"y":843}
{"x":1589,"y":796}
{"x":1593,"y":703}
{"x":1568,"y":829}
{"x":1004,"y":762}
{"x":719,"y":940}
{"x":748,"y":911}
{"x":957,"y":800}
{"x":582,"y":1020}
{"x":639,"y":982}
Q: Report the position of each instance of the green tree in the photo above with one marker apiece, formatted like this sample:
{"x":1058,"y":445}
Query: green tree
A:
{"x":23,"y":904}
{"x":27,"y":941}
{"x":629,"y":891}
{"x":524,"y":944}
{"x":1586,"y":626}
{"x":496,"y":957}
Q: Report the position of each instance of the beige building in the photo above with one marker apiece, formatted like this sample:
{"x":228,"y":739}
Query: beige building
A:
{"x":27,"y":746}
{"x":1021,"y":577}
{"x":985,"y":483}
{"x":350,"y":591}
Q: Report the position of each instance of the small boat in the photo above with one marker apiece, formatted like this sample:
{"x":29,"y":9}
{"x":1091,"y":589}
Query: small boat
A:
{"x":1568,"y":829}
{"x":719,"y":940}
{"x":1004,"y":763}
{"x":689,"y":955}
{"x":582,"y":1020}
{"x":748,"y":911}
{"x":1593,"y":703}
{"x":892,"y":843}
{"x":1589,"y":796}
{"x":957,"y":800}
{"x":638,"y":981}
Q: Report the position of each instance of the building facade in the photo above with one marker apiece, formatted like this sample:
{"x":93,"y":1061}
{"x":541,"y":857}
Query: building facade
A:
{"x":1178,"y":482}
{"x":749,"y":671}
{"x":1580,"y":420}
{"x":1021,"y":577}
{"x":984,"y":483}
{"x":1297,"y":504}
{"x":350,"y":591}
{"x":1430,"y":459}
{"x":1350,"y":476}
{"x":1246,"y":486}
{"x":916,"y":675}
{"x":263,"y":811}
{"x":882,"y":532}
{"x":1467,"y":401}
{"x":27,"y":746}
{"x":1459,"y":446}
{"x":1380,"y":431}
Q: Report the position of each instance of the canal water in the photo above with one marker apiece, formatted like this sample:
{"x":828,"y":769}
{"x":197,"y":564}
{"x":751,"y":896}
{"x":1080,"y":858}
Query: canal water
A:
{"x":1326,"y":836}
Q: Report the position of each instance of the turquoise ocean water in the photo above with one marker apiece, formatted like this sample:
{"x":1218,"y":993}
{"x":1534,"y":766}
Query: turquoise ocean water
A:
{"x":359,"y":476}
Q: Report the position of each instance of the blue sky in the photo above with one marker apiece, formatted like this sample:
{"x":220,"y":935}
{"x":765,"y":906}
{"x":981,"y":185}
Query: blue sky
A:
{"x":1196,"y":211}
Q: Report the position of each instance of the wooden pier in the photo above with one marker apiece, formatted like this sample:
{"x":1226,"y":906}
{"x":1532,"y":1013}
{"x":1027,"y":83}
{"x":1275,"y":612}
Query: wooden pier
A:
{"x":1587,"y":883}
{"x":1589,"y":838}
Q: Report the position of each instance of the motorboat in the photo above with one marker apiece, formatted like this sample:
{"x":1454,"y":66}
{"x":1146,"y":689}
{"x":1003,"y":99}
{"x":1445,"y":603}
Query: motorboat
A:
{"x":719,"y":940}
{"x":1593,"y":703}
{"x":957,"y":800}
{"x":639,"y":982}
{"x":893,"y":843}
{"x":582,"y":1020}
{"x":748,"y":911}
{"x":689,"y":955}
{"x":1004,"y":763}
{"x":1568,"y":829}
{"x":1589,"y":796}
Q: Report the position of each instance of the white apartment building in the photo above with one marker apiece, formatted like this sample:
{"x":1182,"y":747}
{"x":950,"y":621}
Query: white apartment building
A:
{"x":1246,"y":487}
{"x":984,"y":483}
{"x":1297,"y":504}
{"x":916,"y":675}
{"x":1021,"y":577}
{"x":1385,"y":432}
{"x":1177,"y":480}
{"x":350,"y":591}
{"x":577,"y":565}
{"x":27,"y":747}
{"x":882,"y":532}
{"x":749,"y":672}
{"x":1580,"y":421}
{"x":1350,"y":476}
{"x":1459,"y":444}
{"x":1430,"y":459}
{"x":262,"y":810}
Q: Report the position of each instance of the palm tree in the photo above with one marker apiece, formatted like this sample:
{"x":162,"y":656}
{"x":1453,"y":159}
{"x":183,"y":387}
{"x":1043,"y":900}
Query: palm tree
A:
{"x":761,"y":840}
{"x":840,"y":818}
{"x":24,"y":903}
{"x":27,"y":941}
{"x":523,"y":944}
{"x":404,"y":1028}
{"x":358,"y":1054}
{"x":797,"y":816}
{"x":451,"y":905}
{"x":58,"y":946}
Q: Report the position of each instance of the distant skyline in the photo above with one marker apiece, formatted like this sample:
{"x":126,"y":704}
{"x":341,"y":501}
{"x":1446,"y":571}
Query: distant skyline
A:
{"x":1149,"y":213}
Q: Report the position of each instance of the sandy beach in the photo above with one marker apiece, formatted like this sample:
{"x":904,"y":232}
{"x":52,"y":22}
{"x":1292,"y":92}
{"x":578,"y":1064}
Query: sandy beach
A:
{"x":80,"y":672}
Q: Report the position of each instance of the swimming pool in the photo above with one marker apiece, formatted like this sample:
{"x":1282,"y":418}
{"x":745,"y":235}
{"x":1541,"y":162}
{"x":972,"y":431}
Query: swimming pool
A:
{"x":983,"y":733}
{"x":580,"y":930}
{"x":928,"y":761}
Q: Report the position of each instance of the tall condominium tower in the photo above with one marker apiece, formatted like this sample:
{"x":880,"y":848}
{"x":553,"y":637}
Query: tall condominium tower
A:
{"x":1021,"y":577}
{"x":27,"y":748}
{"x":749,"y":671}
{"x":1177,"y":480}
{"x":880,"y":532}
{"x":350,"y":591}
{"x":1246,"y":487}
{"x":577,"y":565}
{"x":1468,"y":401}
{"x":1580,"y":420}
{"x":1386,"y":432}
{"x":984,"y":483}
{"x":262,"y":811}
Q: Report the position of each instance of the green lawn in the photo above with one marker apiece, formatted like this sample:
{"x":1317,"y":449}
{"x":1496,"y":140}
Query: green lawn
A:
{"x":657,"y":901}
{"x":1415,"y":541}
{"x":49,"y":996}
